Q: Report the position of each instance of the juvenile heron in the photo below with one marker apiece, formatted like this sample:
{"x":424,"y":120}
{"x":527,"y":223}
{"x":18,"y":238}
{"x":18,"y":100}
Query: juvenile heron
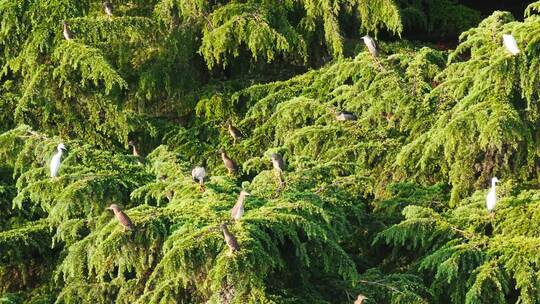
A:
{"x":122,"y":217}
{"x":491,"y":197}
{"x":198,"y":174}
{"x":229,"y":163}
{"x":229,"y":239}
{"x":510,"y":44}
{"x":360,"y":299}
{"x":238,"y":210}
{"x":67,"y":32}
{"x":108,"y":8}
{"x":371,"y":45}
{"x":56,"y":159}
{"x":235,"y":133}
{"x":344,"y":116}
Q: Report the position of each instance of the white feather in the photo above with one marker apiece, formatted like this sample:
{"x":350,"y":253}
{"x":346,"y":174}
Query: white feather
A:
{"x":371,"y":45}
{"x":491,"y":198}
{"x":56,"y":159}
{"x":198,"y":174}
{"x":510,"y":44}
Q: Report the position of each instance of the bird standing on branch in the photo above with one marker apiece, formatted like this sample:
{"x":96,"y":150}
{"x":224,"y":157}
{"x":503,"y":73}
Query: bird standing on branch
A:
{"x":371,"y":45}
{"x":198,"y":174}
{"x":229,"y":239}
{"x":491,"y":197}
{"x":238,"y":210}
{"x":279,"y":166}
{"x":235,"y":133}
{"x":229,"y":163}
{"x":56,"y":159}
{"x":108,"y":8}
{"x":67,"y":32}
{"x":124,"y":220}
{"x":510,"y":44}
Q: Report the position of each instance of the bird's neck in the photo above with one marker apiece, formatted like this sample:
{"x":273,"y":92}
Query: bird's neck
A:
{"x":493,"y":184}
{"x":241,"y":199}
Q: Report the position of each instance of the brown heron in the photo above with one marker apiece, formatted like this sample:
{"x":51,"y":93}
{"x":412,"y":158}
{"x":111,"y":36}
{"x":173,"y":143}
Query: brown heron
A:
{"x":235,"y":133}
{"x":108,"y":8}
{"x":229,"y":163}
{"x":122,"y":217}
{"x":229,"y":239}
{"x":238,"y":210}
{"x":67,"y":32}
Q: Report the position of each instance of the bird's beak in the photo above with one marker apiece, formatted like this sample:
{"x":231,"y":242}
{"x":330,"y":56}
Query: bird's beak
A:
{"x":248,"y":194}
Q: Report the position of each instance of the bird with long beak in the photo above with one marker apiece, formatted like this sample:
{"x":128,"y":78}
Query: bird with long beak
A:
{"x":124,"y":220}
{"x":279,"y":166}
{"x":229,"y":239}
{"x":67,"y":32}
{"x":238,"y":210}
{"x":229,"y":163}
{"x":491,"y":197}
{"x":510,"y":44}
{"x":198,"y":174}
{"x":234,"y":132}
{"x":360,"y":299}
{"x":108,"y":8}
{"x":57,"y":159}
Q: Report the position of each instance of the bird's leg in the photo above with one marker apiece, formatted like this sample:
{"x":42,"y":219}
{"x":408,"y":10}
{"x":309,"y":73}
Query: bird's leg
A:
{"x":124,"y":227}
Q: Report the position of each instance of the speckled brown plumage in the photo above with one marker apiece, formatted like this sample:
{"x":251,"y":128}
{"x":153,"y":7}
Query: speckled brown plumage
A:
{"x":124,"y":220}
{"x":229,"y":239}
{"x":229,"y":163}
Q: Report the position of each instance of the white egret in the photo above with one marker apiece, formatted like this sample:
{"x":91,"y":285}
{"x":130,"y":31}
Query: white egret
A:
{"x":510,"y":44}
{"x":56,"y":159}
{"x":491,"y":197}
{"x":371,"y":45}
{"x":238,"y":210}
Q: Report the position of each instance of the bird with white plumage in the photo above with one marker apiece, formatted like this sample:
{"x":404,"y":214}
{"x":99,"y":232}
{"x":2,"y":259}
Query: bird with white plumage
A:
{"x":491,"y":197}
{"x":57,"y":159}
{"x":198,"y":174}
{"x":510,"y":44}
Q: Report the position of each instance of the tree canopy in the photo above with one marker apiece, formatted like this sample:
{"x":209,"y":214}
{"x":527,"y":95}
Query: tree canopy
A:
{"x":390,"y":205}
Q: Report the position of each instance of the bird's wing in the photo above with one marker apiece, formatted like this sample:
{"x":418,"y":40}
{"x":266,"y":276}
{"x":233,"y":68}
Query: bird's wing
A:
{"x":124,"y":219}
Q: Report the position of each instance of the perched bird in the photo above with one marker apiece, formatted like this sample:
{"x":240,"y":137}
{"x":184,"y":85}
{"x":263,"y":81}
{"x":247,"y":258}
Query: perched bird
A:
{"x":372,"y":47}
{"x":491,"y":197}
{"x":510,"y":44}
{"x":122,"y":217}
{"x":67,"y":31}
{"x":277,"y":162}
{"x":360,"y":299}
{"x":238,"y":210}
{"x":229,"y":163}
{"x":131,"y":143}
{"x":198,"y":174}
{"x":229,"y":238}
{"x":344,"y":116}
{"x":235,"y":133}
{"x":108,"y":8}
{"x":56,"y":159}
